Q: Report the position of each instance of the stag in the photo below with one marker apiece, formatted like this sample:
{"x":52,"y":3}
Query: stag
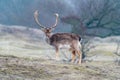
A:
{"x":61,"y":40}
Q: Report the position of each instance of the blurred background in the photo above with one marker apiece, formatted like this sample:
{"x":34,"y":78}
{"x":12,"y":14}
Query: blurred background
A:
{"x":98,"y":17}
{"x":97,"y":21}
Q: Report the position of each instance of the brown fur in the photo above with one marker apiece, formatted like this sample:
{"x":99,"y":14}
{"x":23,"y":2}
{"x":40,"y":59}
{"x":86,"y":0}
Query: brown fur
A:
{"x":63,"y":38}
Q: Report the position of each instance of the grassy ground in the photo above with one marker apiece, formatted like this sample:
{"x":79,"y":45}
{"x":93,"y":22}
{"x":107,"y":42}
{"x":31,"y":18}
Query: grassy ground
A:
{"x":15,"y":68}
{"x":24,"y":56}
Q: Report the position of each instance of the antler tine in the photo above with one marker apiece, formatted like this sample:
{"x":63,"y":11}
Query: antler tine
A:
{"x":36,"y":19}
{"x":57,"y":15}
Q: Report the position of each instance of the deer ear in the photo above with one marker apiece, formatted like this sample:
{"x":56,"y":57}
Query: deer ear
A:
{"x":42,"y":29}
{"x":51,"y":29}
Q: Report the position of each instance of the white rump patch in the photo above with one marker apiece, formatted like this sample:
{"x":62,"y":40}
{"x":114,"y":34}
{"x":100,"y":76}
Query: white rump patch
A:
{"x":64,"y":46}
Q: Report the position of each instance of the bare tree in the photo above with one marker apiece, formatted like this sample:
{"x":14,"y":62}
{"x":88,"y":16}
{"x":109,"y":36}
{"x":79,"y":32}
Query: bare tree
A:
{"x":98,"y":16}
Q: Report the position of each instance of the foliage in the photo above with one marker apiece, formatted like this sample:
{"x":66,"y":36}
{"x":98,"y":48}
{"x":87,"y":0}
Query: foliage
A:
{"x":100,"y":18}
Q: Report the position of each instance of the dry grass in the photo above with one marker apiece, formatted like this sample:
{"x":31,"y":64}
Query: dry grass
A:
{"x":15,"y":68}
{"x":23,"y":57}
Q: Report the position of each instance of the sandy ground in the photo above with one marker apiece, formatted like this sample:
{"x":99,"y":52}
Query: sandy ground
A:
{"x":16,"y":68}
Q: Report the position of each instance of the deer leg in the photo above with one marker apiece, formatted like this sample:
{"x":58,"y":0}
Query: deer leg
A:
{"x":57,"y":54}
{"x":80,"y":57}
{"x":73,"y":56}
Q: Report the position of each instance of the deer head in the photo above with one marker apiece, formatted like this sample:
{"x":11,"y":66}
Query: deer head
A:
{"x":46,"y":30}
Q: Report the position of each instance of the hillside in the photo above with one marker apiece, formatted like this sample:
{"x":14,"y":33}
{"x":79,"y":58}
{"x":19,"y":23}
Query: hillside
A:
{"x":14,"y":68}
{"x":31,"y":42}
{"x":24,"y":55}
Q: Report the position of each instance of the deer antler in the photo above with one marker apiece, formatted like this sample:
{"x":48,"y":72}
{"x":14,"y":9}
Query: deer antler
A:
{"x":36,"y":19}
{"x":57,"y":15}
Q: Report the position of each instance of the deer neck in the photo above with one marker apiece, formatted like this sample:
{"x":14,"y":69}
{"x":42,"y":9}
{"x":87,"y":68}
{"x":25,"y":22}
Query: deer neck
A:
{"x":48,"y":38}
